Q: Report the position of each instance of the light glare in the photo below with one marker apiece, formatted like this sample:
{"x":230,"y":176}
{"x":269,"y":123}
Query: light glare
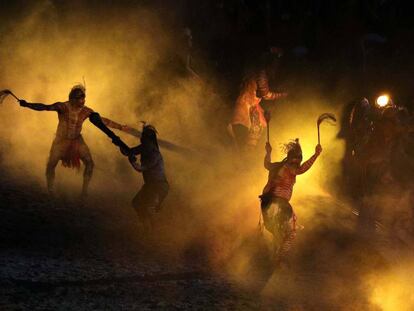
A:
{"x":383,"y":100}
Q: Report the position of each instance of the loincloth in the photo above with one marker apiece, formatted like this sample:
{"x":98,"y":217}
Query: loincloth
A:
{"x":69,"y":151}
{"x":71,"y":157}
{"x":278,"y":215}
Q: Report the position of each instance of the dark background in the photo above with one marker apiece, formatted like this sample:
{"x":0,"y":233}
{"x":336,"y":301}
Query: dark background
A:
{"x":364,"y":46}
{"x":96,"y":258}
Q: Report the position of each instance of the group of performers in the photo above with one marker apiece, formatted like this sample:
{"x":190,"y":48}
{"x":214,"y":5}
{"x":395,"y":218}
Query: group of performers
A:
{"x":378,"y":137}
{"x":70,"y":148}
{"x":246,"y":127}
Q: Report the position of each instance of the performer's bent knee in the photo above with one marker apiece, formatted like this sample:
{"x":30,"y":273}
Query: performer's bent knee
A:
{"x":89,"y":165}
{"x":50,"y":168}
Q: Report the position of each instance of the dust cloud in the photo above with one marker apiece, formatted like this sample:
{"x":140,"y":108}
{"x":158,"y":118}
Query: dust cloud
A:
{"x":132,"y":62}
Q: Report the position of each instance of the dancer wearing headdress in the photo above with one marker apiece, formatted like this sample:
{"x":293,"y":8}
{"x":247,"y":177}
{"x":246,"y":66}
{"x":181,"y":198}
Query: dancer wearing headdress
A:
{"x":69,"y":145}
{"x":278,"y":215}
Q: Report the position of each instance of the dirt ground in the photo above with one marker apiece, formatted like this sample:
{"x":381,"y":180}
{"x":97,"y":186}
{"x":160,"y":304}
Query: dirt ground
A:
{"x":65,"y":257}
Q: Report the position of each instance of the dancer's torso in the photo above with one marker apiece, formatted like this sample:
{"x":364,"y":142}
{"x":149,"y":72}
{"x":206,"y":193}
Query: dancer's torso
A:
{"x":71,"y":119}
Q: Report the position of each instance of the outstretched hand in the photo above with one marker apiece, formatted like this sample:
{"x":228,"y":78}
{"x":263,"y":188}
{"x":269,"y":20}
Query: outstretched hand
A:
{"x":133,"y":160}
{"x":268,"y":148}
{"x":318,"y":149}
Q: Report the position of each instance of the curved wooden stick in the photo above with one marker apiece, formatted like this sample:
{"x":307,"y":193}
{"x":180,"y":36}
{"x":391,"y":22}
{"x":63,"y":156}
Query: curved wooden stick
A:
{"x":267,"y":116}
{"x":324,"y":116}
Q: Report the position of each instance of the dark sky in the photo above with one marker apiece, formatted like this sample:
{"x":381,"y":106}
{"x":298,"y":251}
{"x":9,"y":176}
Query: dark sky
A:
{"x":370,"y":38}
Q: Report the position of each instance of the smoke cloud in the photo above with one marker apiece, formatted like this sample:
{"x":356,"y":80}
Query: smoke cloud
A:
{"x":132,"y":62}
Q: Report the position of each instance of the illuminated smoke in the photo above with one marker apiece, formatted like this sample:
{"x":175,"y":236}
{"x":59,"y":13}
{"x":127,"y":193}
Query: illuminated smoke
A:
{"x":129,"y":60}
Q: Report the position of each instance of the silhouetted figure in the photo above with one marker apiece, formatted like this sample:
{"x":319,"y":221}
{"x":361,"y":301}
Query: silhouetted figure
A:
{"x":248,"y":121}
{"x":278,"y":215}
{"x":155,"y":189}
{"x":69,"y":145}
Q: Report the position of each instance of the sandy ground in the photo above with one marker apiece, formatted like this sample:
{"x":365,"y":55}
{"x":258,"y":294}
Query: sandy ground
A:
{"x":71,"y":258}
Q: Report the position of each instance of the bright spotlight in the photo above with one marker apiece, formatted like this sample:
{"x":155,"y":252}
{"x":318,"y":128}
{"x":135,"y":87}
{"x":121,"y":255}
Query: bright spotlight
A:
{"x":383,"y":100}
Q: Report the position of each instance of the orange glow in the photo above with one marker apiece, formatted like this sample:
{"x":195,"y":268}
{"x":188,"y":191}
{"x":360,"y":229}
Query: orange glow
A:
{"x":383,"y":100}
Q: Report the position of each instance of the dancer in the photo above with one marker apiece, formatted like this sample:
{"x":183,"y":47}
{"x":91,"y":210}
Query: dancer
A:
{"x":278,"y":215}
{"x":69,"y":145}
{"x":149,"y":198}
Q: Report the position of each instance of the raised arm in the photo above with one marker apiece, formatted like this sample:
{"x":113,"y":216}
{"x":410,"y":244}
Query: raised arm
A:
{"x":268,"y":157}
{"x":113,"y":124}
{"x":41,"y":107}
{"x":96,"y":120}
{"x":122,"y":127}
{"x":268,"y":161}
{"x":308,"y":164}
{"x":263,"y":90}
